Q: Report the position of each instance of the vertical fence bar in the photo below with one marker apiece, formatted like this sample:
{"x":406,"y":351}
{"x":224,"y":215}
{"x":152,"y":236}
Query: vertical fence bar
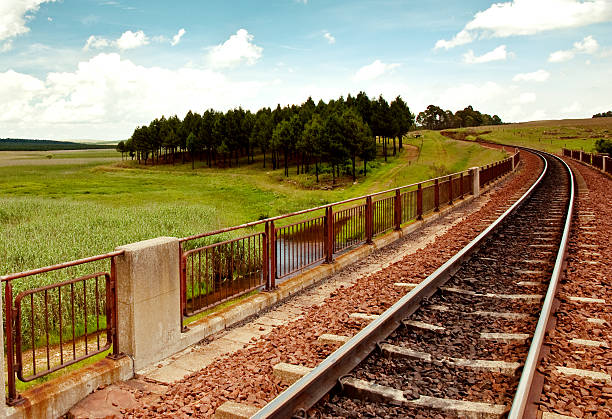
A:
{"x":266,"y":257}
{"x":10,"y":355}
{"x":461,"y":185}
{"x":450,"y":190}
{"x":329,"y":236}
{"x":369,"y":220}
{"x":436,"y":196}
{"x":397,"y":205}
{"x":273,"y":256}
{"x":419,"y":208}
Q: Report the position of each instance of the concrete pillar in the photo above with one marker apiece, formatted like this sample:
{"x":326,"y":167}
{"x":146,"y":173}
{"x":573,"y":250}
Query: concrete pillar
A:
{"x":148,"y":294}
{"x":475,"y":172}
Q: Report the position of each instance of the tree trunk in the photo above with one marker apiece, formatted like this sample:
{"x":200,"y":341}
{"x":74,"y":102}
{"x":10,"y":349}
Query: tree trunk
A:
{"x":286,"y":164}
{"x":333,"y":174}
{"x":264,"y":153}
{"x":385,"y":147}
{"x":317,"y":170}
{"x":354,"y":177}
{"x":365,"y":168}
{"x":401,"y":145}
{"x":394,"y":149}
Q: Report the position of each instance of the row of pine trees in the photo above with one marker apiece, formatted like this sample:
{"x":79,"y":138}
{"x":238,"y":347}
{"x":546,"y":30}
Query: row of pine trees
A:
{"x":307,"y":136}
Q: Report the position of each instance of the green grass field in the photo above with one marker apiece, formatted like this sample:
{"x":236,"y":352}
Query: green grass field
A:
{"x":52,"y":213}
{"x":551,"y":136}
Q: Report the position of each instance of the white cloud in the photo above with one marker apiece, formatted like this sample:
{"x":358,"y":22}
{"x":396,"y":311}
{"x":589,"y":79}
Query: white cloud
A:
{"x":109,"y":96}
{"x":524,"y":98}
{"x":572,"y":109}
{"x":96,"y":42}
{"x":14,"y":15}
{"x":528,"y":17}
{"x":330,"y":38}
{"x":236,"y":49}
{"x":177,"y":38}
{"x":497,"y":54}
{"x":588,"y":45}
{"x":130,"y":40}
{"x":127,"y":40}
{"x":539,"y":76}
{"x":50,"y":19}
{"x":373,"y":71}
{"x":7,"y":46}
{"x":560,"y":56}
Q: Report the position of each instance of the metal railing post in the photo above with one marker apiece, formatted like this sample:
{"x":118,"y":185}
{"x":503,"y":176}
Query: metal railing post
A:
{"x":329,"y":237}
{"x":461,"y":185}
{"x":436,"y":196}
{"x":272,"y":256}
{"x":369,"y":220}
{"x":450,"y":190}
{"x":419,"y":208}
{"x":10,"y":345}
{"x":183,"y":287}
{"x":266,"y":256}
{"x":397,"y":206}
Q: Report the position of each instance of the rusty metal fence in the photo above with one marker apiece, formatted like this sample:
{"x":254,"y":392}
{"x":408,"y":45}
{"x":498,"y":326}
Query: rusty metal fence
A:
{"x":51,"y":327}
{"x":598,"y":161}
{"x":214,"y":270}
{"x":74,"y":317}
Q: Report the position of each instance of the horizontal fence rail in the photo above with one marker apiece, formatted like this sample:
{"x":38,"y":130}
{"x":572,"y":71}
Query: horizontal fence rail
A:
{"x":599,"y":161}
{"x":282,"y":246}
{"x":51,"y":327}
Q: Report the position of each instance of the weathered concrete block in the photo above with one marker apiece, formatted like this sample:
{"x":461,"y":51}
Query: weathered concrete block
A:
{"x":329,"y":339}
{"x":148,"y":294}
{"x":290,"y":373}
{"x":233,"y":410}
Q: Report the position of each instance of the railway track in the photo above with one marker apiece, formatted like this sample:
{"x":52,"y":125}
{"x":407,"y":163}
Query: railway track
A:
{"x":465,"y":342}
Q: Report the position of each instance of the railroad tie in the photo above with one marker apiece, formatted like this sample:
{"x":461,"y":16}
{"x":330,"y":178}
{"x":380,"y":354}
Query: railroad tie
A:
{"x":502,"y":367}
{"x":500,"y":314}
{"x":356,"y":388}
{"x":233,"y":410}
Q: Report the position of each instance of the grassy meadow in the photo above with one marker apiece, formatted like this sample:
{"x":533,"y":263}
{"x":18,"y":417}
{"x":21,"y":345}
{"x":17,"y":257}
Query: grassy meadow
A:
{"x":52,"y":212}
{"x":551,"y":136}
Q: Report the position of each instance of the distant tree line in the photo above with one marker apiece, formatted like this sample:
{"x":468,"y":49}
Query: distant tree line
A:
{"x":19,"y":144}
{"x":437,"y":118}
{"x":307,"y":136}
{"x":603,"y":115}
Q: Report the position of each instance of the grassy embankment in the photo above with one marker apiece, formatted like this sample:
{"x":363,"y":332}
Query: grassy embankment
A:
{"x":551,"y":136}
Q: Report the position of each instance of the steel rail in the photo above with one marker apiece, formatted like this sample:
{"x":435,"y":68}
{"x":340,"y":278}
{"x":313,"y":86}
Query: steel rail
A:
{"x":307,"y":391}
{"x":524,"y":389}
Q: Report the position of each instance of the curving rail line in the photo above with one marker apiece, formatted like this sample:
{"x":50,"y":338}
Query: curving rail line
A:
{"x":307,"y":391}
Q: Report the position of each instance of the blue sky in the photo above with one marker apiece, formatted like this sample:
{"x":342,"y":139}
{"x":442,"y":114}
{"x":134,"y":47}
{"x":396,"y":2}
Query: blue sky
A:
{"x":95,"y":69}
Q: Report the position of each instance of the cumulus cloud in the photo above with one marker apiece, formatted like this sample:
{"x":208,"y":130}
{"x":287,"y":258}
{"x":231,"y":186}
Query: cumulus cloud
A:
{"x":528,"y":17}
{"x":498,"y":54}
{"x":330,"y":38}
{"x":127,"y":40}
{"x":130,"y":40}
{"x":538,"y":76}
{"x":373,"y":71}
{"x":109,"y":96}
{"x":237,"y":49}
{"x":588,"y":45}
{"x":96,"y":42}
{"x":14,"y":15}
{"x":177,"y":38}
